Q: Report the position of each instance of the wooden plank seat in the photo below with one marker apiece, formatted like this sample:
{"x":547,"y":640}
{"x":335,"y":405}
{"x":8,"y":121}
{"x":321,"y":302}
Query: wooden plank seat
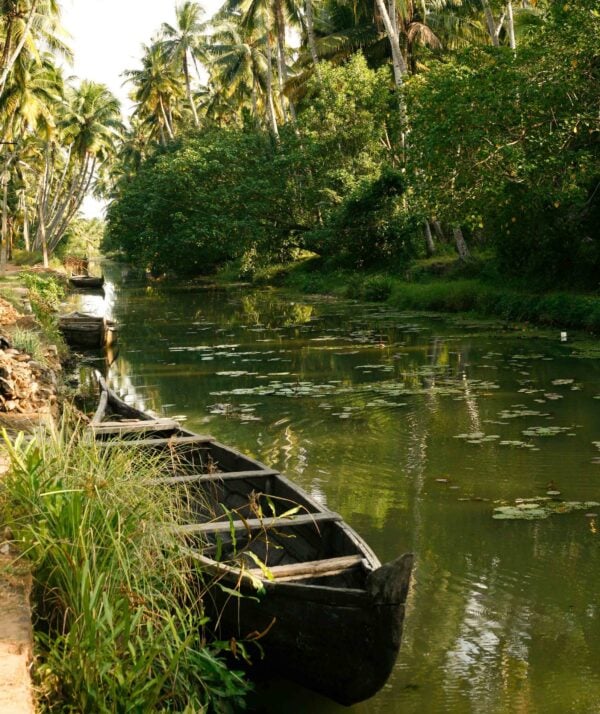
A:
{"x":208,"y":478}
{"x":135,"y":426}
{"x":310,"y":568}
{"x":256,"y":523}
{"x":196,"y":440}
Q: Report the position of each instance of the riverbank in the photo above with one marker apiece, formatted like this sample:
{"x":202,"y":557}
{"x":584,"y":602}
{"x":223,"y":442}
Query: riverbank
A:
{"x":30,"y":371}
{"x":440,"y":285}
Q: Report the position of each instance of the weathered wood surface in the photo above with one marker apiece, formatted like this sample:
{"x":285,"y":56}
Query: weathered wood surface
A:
{"x":171,"y":441}
{"x":216,"y":477}
{"x":253,"y":524}
{"x":82,"y":330}
{"x":331,"y":615}
{"x":135,"y":427}
{"x":310,"y":568}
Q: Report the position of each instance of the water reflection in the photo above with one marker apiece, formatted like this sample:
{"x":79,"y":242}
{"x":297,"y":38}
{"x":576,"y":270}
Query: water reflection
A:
{"x":413,"y":428}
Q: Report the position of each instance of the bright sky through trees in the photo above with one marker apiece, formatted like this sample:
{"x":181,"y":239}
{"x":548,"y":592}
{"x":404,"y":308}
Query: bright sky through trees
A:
{"x":107,"y":37}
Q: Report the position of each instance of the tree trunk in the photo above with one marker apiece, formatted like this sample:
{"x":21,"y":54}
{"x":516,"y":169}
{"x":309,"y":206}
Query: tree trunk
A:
{"x":270,"y":105}
{"x":281,"y":65}
{"x":439,"y":231}
{"x":42,"y":234}
{"x":398,"y":61}
{"x":7,"y":43}
{"x":166,"y":119}
{"x":188,"y":89}
{"x":461,"y":246}
{"x":255,"y":104}
{"x":490,"y":22}
{"x":4,"y":246}
{"x":310,"y":32}
{"x":26,"y":227}
{"x":511,"y":26}
{"x":429,"y":244}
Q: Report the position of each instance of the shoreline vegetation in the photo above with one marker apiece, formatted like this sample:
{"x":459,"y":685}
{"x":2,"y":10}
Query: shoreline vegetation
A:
{"x":394,"y":138}
{"x":116,"y":602}
{"x":473,"y":184}
{"x":459,"y":289}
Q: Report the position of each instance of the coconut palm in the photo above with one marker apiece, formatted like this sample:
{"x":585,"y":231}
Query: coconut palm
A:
{"x":88,"y":132}
{"x":157,"y":91}
{"x":237,"y":65}
{"x":26,"y":24}
{"x":181,"y":43}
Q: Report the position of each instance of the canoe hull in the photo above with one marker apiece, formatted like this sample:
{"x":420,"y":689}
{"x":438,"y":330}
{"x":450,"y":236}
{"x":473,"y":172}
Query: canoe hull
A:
{"x":80,"y":330}
{"x":340,"y":643}
{"x":331,"y":618}
{"x":86,"y":282}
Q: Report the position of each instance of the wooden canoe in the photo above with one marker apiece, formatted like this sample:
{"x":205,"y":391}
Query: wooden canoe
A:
{"x":86,"y":281}
{"x":332,"y":614}
{"x":83,"y":330}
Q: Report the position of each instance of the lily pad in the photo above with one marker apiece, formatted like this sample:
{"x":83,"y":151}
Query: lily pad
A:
{"x":540,"y":508}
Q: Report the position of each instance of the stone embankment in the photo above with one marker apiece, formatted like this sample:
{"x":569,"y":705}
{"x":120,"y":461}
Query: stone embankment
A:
{"x":28,"y":396}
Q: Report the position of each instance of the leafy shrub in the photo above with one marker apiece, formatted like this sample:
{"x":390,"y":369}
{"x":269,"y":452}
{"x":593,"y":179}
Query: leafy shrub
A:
{"x":377,"y":288}
{"x":370,"y":227}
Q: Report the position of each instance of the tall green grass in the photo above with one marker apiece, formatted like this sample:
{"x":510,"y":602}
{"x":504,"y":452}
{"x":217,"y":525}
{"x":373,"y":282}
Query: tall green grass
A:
{"x":119,"y":619}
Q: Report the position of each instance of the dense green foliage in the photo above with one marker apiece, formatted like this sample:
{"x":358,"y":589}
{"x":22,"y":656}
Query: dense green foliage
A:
{"x":509,"y":145}
{"x":236,"y":194}
{"x":502,"y":144}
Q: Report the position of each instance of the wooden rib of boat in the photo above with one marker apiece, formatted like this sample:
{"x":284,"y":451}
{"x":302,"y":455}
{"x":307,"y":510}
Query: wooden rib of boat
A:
{"x":83,"y":330}
{"x":332,"y":613}
{"x":84,"y":282}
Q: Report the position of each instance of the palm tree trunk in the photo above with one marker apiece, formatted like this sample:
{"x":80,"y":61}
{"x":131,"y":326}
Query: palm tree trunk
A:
{"x":270,"y":105}
{"x":310,"y":32}
{"x":511,"y":25}
{"x":398,"y":61}
{"x":165,"y":119}
{"x":188,"y":89}
{"x":493,"y":27}
{"x":26,"y":226}
{"x":4,"y":247}
{"x":255,"y":103}
{"x":7,"y":43}
{"x":42,"y":234}
{"x":281,"y":64}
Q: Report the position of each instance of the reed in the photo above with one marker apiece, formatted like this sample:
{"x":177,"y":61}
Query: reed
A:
{"x":119,"y":618}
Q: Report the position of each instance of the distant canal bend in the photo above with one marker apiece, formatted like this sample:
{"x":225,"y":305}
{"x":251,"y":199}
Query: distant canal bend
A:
{"x":415,"y":428}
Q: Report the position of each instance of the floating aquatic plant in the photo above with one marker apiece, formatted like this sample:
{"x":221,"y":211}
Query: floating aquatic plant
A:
{"x":527,"y":509}
{"x":546,"y":430}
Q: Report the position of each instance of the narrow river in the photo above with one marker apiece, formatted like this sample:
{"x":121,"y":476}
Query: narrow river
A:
{"x":414,"y":428}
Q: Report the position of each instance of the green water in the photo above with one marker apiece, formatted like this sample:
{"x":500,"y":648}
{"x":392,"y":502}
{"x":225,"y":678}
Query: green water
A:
{"x":362,"y":406}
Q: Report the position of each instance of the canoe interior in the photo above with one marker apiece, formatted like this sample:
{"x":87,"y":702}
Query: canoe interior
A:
{"x":288,"y":545}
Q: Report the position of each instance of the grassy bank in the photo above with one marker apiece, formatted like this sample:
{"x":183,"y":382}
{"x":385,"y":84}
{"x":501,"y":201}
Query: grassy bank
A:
{"x":119,"y":620}
{"x":443,"y":286}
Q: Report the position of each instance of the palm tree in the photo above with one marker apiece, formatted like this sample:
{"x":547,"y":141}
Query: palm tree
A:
{"x":157,"y":91}
{"x":181,"y":43}
{"x":237,"y":65}
{"x":26,"y":24}
{"x":31,"y":96}
{"x":88,"y":132}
